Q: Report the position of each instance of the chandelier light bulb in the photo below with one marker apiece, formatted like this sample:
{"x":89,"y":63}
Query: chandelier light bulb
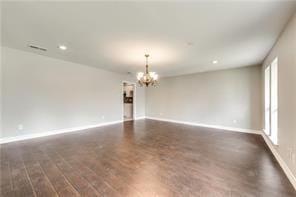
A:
{"x":140,"y":75}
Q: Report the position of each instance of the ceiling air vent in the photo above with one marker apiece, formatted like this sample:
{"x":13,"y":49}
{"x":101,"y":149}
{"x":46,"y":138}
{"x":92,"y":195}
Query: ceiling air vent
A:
{"x":37,"y":48}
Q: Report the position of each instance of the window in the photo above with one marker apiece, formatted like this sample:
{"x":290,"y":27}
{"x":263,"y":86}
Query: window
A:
{"x":271,"y":101}
{"x":267,"y":100}
{"x":274,"y":101}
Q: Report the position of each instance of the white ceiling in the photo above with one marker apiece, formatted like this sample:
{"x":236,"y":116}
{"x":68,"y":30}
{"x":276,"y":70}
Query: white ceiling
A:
{"x":181,"y":37}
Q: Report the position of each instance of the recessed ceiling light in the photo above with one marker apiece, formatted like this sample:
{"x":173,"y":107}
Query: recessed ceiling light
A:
{"x":62,"y":47}
{"x":215,"y":62}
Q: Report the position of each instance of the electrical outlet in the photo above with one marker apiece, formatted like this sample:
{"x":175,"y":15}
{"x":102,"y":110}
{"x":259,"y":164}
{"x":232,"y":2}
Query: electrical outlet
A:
{"x":161,"y":113}
{"x":289,"y":150}
{"x":293,"y":158}
{"x":103,"y":117}
{"x":20,"y":127}
{"x":234,"y":121}
{"x":293,"y":155}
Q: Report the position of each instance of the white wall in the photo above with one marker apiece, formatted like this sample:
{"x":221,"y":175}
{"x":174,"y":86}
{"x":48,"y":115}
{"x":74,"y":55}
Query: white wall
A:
{"x":230,"y":98}
{"x":285,"y":50}
{"x":45,"y":94}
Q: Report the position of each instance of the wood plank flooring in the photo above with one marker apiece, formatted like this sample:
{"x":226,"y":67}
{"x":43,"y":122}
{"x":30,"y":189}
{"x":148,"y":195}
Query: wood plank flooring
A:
{"x":143,"y":158}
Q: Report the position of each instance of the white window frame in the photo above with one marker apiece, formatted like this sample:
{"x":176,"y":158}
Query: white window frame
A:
{"x":271,"y":101}
{"x":267,"y":100}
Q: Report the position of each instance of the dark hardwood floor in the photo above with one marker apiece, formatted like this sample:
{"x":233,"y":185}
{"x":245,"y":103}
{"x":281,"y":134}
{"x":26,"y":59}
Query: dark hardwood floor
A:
{"x":143,"y":158}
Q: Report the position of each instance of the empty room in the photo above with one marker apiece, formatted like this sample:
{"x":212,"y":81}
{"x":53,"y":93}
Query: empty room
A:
{"x":148,"y":98}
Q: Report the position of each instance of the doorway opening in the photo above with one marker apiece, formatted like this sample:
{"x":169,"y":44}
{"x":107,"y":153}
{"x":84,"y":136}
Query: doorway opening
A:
{"x":128,"y":101}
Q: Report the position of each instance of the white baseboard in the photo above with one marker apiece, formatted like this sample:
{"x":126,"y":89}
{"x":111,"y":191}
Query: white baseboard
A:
{"x":140,"y":118}
{"x":54,"y":132}
{"x":280,"y":160}
{"x":206,"y":125}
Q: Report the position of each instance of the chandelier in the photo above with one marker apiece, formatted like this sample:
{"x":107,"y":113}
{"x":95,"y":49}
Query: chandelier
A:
{"x":147,"y":78}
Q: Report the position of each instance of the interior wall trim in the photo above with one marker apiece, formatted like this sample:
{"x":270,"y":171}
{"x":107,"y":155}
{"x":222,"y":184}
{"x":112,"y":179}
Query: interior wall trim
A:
{"x":207,"y":125}
{"x":280,"y":160}
{"x":55,"y":132}
{"x":140,"y":118}
{"x":59,"y":131}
